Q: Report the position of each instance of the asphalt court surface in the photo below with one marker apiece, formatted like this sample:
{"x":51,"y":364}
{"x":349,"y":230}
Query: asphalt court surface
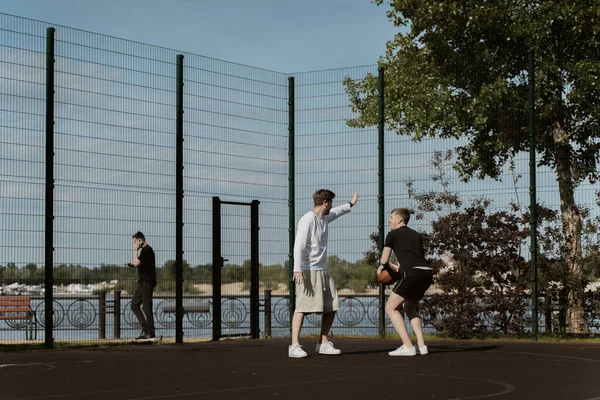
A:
{"x":261,"y":369}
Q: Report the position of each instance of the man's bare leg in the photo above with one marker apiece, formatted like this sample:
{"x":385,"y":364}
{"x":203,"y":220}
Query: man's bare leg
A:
{"x":297,"y":321}
{"x":326,"y":323}
{"x":410,"y":307}
{"x":392,"y":310}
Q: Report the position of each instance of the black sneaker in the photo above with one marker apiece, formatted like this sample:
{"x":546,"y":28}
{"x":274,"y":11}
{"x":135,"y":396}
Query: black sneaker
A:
{"x":144,"y":335}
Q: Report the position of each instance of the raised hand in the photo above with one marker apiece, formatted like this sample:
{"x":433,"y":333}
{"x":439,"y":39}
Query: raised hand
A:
{"x":355,"y":198}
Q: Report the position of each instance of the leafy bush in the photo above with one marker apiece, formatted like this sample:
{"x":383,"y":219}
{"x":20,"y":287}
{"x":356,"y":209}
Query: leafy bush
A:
{"x":357,"y":285}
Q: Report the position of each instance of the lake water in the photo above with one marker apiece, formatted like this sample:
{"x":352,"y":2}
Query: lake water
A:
{"x":77,"y":318}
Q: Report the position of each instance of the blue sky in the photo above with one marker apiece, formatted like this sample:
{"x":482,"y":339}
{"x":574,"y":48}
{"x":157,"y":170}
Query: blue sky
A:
{"x":283,"y":36}
{"x":280,"y":35}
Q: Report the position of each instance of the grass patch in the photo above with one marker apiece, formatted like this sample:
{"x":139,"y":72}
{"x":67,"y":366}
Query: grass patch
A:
{"x":66,"y":345}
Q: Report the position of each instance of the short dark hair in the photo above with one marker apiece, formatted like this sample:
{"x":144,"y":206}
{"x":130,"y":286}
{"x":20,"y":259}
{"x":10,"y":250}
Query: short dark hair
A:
{"x":139,"y":235}
{"x":321,"y":195}
{"x":404,"y":213}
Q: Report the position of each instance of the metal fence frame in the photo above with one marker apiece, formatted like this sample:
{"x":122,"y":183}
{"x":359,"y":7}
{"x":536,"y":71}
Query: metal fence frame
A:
{"x":311,"y":100}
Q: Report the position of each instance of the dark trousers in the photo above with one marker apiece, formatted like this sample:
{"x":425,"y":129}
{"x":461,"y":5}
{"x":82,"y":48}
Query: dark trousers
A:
{"x":143,"y":297}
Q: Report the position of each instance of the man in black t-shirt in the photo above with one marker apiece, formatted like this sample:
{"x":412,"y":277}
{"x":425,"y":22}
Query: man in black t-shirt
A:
{"x":415,"y":278}
{"x":145,"y":263}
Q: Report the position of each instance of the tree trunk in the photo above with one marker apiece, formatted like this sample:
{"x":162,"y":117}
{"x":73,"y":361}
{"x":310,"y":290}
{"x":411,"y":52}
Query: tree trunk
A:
{"x":571,"y":225}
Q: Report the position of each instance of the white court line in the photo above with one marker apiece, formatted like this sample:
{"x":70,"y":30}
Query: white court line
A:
{"x":48,"y":366}
{"x":508,"y":388}
{"x":555,"y":355}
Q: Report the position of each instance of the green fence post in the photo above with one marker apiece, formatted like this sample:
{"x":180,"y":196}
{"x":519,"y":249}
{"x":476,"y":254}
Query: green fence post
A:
{"x":102,"y":314}
{"x":291,"y":199}
{"x":254,"y":270}
{"x":179,"y":206}
{"x":532,"y":198}
{"x":217,"y":265}
{"x":49,"y":212}
{"x":380,"y":197}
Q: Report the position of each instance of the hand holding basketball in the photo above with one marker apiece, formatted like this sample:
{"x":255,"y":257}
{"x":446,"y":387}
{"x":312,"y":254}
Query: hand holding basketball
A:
{"x":385,"y":278}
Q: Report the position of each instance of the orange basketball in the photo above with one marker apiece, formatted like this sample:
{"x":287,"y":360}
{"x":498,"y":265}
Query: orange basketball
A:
{"x":385,"y":278}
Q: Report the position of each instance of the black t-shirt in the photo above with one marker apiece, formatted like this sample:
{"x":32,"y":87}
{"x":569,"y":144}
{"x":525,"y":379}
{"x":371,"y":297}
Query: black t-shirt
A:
{"x":408,"y":247}
{"x":147,"y":266}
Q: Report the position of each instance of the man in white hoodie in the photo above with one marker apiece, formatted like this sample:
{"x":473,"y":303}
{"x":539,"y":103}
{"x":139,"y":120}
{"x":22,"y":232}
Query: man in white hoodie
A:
{"x":315,"y":288}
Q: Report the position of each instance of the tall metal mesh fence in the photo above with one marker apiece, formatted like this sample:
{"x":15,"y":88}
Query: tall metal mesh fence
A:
{"x":115,"y":168}
{"x":331,"y":155}
{"x":235,"y":148}
{"x":115,"y":127}
{"x":114,"y":163}
{"x":22,"y":171}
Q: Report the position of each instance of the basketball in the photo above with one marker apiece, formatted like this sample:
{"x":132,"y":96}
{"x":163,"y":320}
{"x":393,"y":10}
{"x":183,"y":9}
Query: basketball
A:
{"x":385,"y":278}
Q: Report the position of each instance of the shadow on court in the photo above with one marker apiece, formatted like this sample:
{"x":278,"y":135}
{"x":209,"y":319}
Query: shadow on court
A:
{"x":440,"y":349}
{"x":260,"y":369}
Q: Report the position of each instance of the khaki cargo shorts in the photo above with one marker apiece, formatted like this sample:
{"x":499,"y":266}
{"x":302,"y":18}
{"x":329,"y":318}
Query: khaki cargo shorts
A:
{"x":317,"y":294}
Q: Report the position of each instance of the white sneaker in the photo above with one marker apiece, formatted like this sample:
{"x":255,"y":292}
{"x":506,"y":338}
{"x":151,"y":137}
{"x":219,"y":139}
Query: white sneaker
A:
{"x":423,"y":350}
{"x":403,"y":351}
{"x":295,"y":351}
{"x":327,"y":349}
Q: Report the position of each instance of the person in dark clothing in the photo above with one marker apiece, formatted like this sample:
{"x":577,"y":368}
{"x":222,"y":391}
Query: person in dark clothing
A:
{"x":416,"y":277}
{"x":145,"y":263}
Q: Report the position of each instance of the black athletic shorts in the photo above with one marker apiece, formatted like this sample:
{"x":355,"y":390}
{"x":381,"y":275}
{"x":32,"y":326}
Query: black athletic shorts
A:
{"x":414,"y":284}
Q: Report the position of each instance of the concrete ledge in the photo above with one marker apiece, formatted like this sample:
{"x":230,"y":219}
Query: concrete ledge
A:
{"x":189,"y":306}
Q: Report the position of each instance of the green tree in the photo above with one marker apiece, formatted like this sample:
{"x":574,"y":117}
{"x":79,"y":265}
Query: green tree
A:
{"x":273,"y":275}
{"x":11,"y":273}
{"x":31,"y":271}
{"x":553,"y":271}
{"x":340,"y":271}
{"x":170,"y":266}
{"x":232,"y":273}
{"x":458,"y":68}
{"x":202,"y":273}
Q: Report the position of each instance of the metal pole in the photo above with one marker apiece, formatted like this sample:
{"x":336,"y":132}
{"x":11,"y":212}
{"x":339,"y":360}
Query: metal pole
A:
{"x":254,"y":282}
{"x":268,"y":314}
{"x":117,"y":314}
{"x":291,"y":198}
{"x":532,"y":197}
{"x":217,"y":265}
{"x":49,"y":239}
{"x":380,"y":197}
{"x":179,"y":207}
{"x":102,"y":314}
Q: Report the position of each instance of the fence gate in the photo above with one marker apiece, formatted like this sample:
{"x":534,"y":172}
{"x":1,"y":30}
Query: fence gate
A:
{"x":232,"y":307}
